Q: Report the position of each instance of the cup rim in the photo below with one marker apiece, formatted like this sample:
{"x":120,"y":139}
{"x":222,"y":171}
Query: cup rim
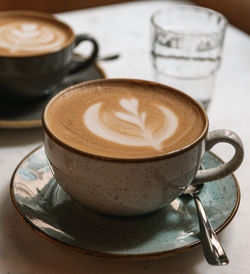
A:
{"x":42,"y":15}
{"x":56,"y":140}
{"x":189,"y":7}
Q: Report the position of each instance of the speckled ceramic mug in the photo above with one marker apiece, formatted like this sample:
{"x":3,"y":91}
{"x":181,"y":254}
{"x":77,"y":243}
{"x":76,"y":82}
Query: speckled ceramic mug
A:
{"x":133,"y":186}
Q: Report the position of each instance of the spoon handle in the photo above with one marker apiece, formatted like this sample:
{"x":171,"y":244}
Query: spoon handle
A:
{"x":211,"y":246}
{"x":110,"y":57}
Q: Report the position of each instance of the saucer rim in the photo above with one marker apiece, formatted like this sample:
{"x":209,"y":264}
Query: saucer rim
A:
{"x":114,"y":256}
{"x":26,"y":124}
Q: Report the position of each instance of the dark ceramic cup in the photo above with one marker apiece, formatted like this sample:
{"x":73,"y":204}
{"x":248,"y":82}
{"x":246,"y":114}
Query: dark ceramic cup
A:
{"x":31,"y":75}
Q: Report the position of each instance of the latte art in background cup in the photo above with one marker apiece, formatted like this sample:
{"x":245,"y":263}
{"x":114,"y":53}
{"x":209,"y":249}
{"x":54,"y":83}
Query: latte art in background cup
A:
{"x":26,"y":37}
{"x":127,"y":147}
{"x":27,"y":34}
{"x":36,"y":53}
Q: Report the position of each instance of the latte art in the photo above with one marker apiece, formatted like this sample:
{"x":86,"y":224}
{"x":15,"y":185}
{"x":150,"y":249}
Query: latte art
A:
{"x":29,"y":37}
{"x":138,"y":132}
{"x":120,"y":119}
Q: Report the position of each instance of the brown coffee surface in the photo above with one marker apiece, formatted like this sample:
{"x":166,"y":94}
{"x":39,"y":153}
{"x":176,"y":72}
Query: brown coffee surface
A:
{"x":27,"y":35}
{"x":124,"y":120}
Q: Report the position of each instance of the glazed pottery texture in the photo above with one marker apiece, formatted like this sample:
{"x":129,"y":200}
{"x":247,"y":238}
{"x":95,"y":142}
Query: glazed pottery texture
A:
{"x":135,"y":186}
{"x":122,"y":188}
{"x":174,"y":229}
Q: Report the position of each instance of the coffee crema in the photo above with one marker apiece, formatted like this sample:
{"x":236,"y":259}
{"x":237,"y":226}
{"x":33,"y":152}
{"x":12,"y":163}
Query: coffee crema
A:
{"x":118,"y":119}
{"x":24,"y":35}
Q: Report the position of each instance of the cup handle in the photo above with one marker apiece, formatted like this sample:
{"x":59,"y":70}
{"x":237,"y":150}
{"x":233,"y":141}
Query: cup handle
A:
{"x":78,"y":65}
{"x":218,"y":136}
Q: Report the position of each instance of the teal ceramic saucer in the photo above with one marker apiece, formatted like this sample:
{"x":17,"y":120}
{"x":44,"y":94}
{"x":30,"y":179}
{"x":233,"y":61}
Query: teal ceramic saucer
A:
{"x":50,"y":212}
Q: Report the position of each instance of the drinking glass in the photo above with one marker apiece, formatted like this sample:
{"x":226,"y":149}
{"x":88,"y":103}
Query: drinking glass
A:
{"x":186,"y":49}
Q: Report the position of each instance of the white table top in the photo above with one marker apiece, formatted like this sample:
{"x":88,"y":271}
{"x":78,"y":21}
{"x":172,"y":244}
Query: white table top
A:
{"x":124,"y":28}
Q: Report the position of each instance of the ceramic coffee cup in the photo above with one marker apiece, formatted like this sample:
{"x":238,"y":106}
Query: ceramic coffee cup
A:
{"x":36,"y":52}
{"x":129,"y":147}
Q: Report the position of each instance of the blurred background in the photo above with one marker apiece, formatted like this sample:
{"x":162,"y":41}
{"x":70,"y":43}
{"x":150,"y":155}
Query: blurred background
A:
{"x":237,"y":11}
{"x":54,"y":6}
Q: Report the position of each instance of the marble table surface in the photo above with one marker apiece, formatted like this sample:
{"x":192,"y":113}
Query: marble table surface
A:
{"x":124,"y":29}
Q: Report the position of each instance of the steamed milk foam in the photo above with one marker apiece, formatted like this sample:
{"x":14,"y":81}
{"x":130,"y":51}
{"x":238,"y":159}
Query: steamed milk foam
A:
{"x":26,"y":35}
{"x":124,"y":120}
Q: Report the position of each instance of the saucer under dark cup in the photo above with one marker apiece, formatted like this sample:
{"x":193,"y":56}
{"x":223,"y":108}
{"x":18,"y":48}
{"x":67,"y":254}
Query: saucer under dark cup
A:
{"x":18,"y":114}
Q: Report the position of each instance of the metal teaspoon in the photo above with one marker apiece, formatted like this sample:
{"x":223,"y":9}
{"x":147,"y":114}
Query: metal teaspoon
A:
{"x":211,"y":246}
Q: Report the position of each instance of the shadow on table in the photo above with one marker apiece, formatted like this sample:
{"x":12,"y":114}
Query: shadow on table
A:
{"x":29,"y":253}
{"x":19,"y":137}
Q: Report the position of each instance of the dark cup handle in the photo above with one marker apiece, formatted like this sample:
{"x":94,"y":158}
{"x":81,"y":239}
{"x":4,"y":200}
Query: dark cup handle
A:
{"x":78,"y":65}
